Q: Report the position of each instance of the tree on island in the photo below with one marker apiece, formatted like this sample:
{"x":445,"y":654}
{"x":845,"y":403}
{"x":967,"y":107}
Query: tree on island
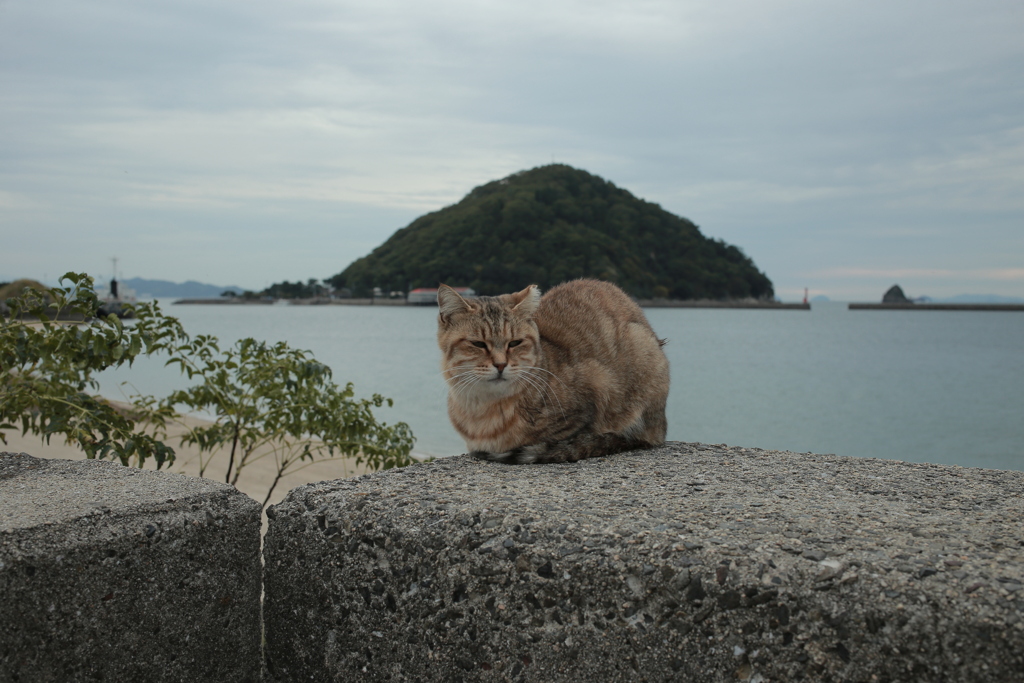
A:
{"x":551,"y":224}
{"x":311,"y":289}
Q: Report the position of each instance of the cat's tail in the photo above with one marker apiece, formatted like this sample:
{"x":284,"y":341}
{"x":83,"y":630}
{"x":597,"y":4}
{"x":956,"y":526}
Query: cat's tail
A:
{"x":578,"y":447}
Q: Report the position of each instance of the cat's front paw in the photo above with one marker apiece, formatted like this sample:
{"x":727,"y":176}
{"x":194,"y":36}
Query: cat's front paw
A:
{"x":523,"y":455}
{"x":510,"y":457}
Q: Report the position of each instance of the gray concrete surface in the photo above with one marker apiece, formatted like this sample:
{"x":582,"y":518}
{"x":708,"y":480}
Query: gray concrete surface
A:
{"x":118,"y":574}
{"x":685,"y":563}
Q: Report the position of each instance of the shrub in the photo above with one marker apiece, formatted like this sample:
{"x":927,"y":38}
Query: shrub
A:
{"x":267,"y":400}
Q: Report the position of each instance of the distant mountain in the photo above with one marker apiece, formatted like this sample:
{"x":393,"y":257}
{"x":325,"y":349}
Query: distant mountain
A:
{"x":981,"y":299}
{"x":551,"y":224}
{"x":163,"y":289}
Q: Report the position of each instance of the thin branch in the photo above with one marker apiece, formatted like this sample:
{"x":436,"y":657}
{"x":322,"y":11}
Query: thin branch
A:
{"x":231,"y":460}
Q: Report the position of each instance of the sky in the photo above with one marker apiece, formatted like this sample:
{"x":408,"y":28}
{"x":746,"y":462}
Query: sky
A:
{"x":844,"y":146}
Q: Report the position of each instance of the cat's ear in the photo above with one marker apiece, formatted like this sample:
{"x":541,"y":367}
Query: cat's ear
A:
{"x":525,"y":303}
{"x":449,"y":303}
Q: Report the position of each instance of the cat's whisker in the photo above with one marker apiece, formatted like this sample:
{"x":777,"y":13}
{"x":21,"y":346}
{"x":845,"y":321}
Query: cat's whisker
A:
{"x":468,"y":368}
{"x":541,"y":380}
{"x":465,"y":380}
{"x":561,"y":409}
{"x":533,"y":380}
{"x":536,"y":385}
{"x":534,"y":367}
{"x":461,"y":366}
{"x":547,"y":389}
{"x":459,"y":376}
{"x":544,"y":386}
{"x":462,"y":386}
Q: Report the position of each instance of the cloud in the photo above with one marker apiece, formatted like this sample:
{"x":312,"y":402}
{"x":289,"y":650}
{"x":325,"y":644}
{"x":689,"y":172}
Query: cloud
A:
{"x":813,"y":135}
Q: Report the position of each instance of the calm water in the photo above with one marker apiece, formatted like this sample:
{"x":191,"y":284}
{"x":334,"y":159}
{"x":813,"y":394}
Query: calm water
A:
{"x":935,"y":386}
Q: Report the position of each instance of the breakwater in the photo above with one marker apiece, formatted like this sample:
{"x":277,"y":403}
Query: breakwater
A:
{"x":936,"y":307}
{"x":708,"y":303}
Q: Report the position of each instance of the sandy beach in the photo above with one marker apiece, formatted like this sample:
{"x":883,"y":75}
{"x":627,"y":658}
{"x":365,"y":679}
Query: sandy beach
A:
{"x":256,"y":478}
{"x":254,"y":481}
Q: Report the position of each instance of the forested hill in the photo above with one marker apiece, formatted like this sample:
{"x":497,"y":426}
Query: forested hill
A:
{"x":551,"y":224}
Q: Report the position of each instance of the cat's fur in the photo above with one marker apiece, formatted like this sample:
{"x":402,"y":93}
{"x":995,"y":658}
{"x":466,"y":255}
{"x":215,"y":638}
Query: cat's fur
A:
{"x":577,"y":373}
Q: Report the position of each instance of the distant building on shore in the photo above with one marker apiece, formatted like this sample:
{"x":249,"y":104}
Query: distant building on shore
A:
{"x":428,"y":295}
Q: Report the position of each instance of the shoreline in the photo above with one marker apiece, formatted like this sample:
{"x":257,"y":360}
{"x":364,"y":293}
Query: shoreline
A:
{"x":643,"y":303}
{"x":703,"y":303}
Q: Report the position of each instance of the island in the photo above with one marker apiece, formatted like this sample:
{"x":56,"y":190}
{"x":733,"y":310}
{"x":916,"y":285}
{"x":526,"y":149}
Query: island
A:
{"x":551,"y":224}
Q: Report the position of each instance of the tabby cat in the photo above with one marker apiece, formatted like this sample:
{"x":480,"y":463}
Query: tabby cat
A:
{"x":577,"y":373}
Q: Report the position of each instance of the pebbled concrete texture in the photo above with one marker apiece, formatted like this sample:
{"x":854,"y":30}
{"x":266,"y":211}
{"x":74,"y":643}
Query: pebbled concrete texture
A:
{"x":687,"y":562}
{"x":119,"y":574}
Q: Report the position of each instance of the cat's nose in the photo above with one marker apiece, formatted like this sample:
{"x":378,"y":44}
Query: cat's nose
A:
{"x":500,"y":366}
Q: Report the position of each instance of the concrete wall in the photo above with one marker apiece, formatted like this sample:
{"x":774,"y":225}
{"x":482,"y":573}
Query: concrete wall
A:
{"x":689,"y":562}
{"x":118,"y":574}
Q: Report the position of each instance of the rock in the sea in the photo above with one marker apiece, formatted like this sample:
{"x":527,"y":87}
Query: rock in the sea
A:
{"x":895,"y":295}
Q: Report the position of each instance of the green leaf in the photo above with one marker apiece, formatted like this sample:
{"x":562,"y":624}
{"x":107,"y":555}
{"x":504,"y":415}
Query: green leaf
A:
{"x":261,"y":395}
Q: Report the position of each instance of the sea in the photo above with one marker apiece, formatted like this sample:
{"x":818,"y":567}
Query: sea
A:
{"x":921,"y":386}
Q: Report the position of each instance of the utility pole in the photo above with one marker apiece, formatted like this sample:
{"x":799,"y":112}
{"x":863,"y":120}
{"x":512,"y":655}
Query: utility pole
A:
{"x":113,"y":280}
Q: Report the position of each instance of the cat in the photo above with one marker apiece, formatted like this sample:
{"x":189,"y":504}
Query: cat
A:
{"x":578,"y":373}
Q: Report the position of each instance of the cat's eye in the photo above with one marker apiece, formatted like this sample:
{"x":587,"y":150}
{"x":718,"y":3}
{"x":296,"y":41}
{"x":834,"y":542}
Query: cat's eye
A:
{"x":515,"y":342}
{"x":479,"y":344}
